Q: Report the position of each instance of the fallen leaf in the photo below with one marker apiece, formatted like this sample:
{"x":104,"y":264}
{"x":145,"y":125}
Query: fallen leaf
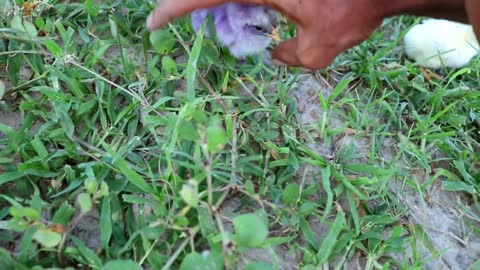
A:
{"x":28,"y":7}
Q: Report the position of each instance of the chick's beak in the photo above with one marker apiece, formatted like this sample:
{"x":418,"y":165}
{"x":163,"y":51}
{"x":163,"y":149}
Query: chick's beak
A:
{"x":273,"y":34}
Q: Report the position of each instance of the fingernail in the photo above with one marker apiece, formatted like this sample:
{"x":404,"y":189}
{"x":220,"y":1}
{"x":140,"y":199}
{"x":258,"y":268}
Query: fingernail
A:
{"x":278,"y":62}
{"x":149,"y":21}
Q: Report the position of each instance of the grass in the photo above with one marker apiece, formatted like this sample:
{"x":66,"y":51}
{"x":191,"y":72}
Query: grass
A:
{"x":159,"y":151}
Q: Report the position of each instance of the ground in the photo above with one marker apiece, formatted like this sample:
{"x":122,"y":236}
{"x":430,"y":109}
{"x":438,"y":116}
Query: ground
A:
{"x":114,"y":150}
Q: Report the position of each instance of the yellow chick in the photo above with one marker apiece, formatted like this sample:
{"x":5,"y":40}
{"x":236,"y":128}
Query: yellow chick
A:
{"x":441,"y":43}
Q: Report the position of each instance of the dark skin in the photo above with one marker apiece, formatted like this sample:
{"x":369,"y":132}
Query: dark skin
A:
{"x":326,"y":28}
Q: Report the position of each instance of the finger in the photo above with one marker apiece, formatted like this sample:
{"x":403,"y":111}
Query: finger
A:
{"x":169,"y":10}
{"x":286,"y":52}
{"x":303,"y":51}
{"x":322,"y":59}
{"x":292,"y":53}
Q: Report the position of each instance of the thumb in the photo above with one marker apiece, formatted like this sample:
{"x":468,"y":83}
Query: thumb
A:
{"x":286,"y":52}
{"x":292,"y":53}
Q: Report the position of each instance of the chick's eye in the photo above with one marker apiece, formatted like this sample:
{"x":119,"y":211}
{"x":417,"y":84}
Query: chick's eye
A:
{"x":258,"y":28}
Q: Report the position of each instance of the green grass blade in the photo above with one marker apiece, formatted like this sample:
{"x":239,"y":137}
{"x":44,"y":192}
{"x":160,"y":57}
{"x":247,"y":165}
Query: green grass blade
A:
{"x":331,"y":239}
{"x":192,"y":64}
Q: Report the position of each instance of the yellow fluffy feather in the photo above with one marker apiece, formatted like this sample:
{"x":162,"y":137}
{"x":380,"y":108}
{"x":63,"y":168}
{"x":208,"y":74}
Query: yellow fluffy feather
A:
{"x":441,"y":43}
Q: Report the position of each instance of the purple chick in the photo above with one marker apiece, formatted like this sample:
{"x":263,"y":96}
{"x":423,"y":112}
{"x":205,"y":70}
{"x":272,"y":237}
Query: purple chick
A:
{"x":243,"y":28}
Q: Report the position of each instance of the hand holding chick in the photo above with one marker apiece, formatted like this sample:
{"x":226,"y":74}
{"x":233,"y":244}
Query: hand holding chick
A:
{"x":325,"y":28}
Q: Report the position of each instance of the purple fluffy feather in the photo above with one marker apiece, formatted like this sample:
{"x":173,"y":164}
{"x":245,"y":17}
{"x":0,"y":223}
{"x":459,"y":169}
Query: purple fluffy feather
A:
{"x":240,"y":27}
